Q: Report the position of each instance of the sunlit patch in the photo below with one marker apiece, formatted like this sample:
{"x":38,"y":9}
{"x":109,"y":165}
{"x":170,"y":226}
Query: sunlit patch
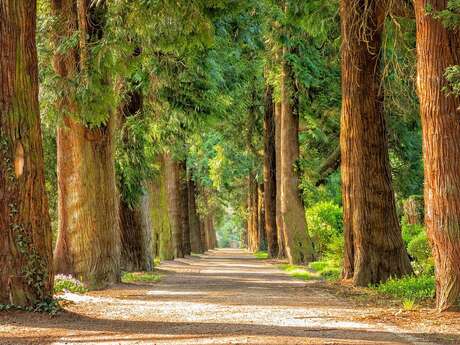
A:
{"x":19,"y":160}
{"x":173,"y":293}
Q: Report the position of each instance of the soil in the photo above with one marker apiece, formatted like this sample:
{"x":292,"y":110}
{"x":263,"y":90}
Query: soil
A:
{"x":228,"y":297}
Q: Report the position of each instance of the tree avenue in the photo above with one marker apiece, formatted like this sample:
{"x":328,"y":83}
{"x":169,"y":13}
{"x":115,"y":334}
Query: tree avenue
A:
{"x":323,"y":135}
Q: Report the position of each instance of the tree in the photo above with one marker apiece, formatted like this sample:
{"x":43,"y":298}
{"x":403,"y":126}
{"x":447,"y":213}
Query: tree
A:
{"x":438,"y":47}
{"x":173,"y":176}
{"x":26,"y":277}
{"x":279,"y":219}
{"x":270,"y":171}
{"x":374,"y":249}
{"x":194,"y":220}
{"x":299,"y":248}
{"x":88,"y":244}
{"x":184,"y":208}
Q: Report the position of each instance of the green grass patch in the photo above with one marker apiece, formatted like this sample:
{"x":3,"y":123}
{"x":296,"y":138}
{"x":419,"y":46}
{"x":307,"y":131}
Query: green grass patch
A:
{"x":415,"y":288}
{"x":261,"y":255}
{"x":143,"y":277}
{"x":326,"y":269}
{"x":63,"y":283}
{"x":298,"y":272}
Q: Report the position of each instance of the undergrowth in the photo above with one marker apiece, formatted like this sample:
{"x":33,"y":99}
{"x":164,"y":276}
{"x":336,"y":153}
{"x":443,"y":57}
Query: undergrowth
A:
{"x":144,"y":277}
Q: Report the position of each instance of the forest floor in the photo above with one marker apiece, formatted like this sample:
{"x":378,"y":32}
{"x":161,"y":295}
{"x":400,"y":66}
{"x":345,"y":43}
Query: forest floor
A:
{"x":228,"y":297}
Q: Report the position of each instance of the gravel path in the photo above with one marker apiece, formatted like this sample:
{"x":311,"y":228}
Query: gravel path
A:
{"x":223,"y":297}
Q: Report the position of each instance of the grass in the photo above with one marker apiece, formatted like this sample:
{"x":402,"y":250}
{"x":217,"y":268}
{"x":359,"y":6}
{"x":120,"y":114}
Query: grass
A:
{"x":298,"y":272}
{"x":415,"y":288}
{"x":143,"y":277}
{"x":261,"y":255}
{"x":326,"y":269}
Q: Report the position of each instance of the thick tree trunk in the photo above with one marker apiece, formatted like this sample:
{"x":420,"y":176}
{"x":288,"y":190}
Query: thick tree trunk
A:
{"x":374,"y":249}
{"x":136,"y":254}
{"x":261,"y":229}
{"x":204,"y":236}
{"x":172,"y":171}
{"x":437,"y":49}
{"x":279,"y":219}
{"x":88,"y":244}
{"x":270,"y":174}
{"x":160,"y":216}
{"x":194,"y":221}
{"x":26,"y":276}
{"x":253,"y":230}
{"x":135,"y":227}
{"x":184,"y":208}
{"x":299,"y":247}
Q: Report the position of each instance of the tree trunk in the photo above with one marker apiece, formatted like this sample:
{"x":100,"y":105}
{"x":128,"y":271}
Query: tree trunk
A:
{"x":172,"y":171}
{"x":88,"y":243}
{"x":299,"y":248}
{"x":437,"y":49}
{"x":160,"y":216}
{"x":184,"y":208}
{"x":194,"y":221}
{"x":253,"y":230}
{"x":261,"y":231}
{"x":270,"y":174}
{"x":204,"y":237}
{"x":279,"y":219}
{"x":374,"y":249}
{"x":26,"y":276}
{"x":135,"y":222}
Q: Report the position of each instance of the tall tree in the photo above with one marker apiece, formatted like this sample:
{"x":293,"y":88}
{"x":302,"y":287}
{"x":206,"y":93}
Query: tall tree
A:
{"x":438,"y":47}
{"x":194,"y":220}
{"x":88,"y":244}
{"x":298,"y":244}
{"x":184,"y":208}
{"x":374,"y":249}
{"x":270,"y":171}
{"x":25,"y":250}
{"x":279,"y":219}
{"x":172,"y":171}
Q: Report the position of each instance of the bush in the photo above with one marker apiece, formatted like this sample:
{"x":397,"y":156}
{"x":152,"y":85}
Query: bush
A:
{"x":414,"y":288}
{"x":325,"y":225}
{"x":410,"y":231}
{"x":144,"y":277}
{"x":63,"y":283}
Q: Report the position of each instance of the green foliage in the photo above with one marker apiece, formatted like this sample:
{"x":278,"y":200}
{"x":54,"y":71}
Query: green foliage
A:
{"x":324,"y":224}
{"x":415,"y":288}
{"x":261,"y":255}
{"x":48,"y":306}
{"x":63,"y":283}
{"x":298,"y":272}
{"x":143,"y":277}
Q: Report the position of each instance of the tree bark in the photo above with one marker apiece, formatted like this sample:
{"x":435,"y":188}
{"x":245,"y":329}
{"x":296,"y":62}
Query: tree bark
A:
{"x":374,"y":249}
{"x":135,"y":225}
{"x":270,"y":174}
{"x":26,"y":276}
{"x":88,"y":244}
{"x":135,"y":222}
{"x":194,"y":221}
{"x":279,"y":219}
{"x":299,"y":247}
{"x":184,"y":208}
{"x":160,"y":215}
{"x":172,"y":171}
{"x":437,"y":49}
{"x":261,"y":229}
{"x":253,"y":230}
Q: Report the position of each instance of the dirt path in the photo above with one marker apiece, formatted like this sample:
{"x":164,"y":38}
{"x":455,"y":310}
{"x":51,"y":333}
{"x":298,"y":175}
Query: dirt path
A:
{"x":224,"y":297}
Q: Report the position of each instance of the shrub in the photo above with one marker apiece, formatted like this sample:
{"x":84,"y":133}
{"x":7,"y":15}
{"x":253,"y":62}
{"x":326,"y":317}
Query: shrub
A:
{"x":414,"y":288}
{"x":63,"y":283}
{"x":144,"y":277}
{"x":325,"y":224}
{"x":410,"y":231}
